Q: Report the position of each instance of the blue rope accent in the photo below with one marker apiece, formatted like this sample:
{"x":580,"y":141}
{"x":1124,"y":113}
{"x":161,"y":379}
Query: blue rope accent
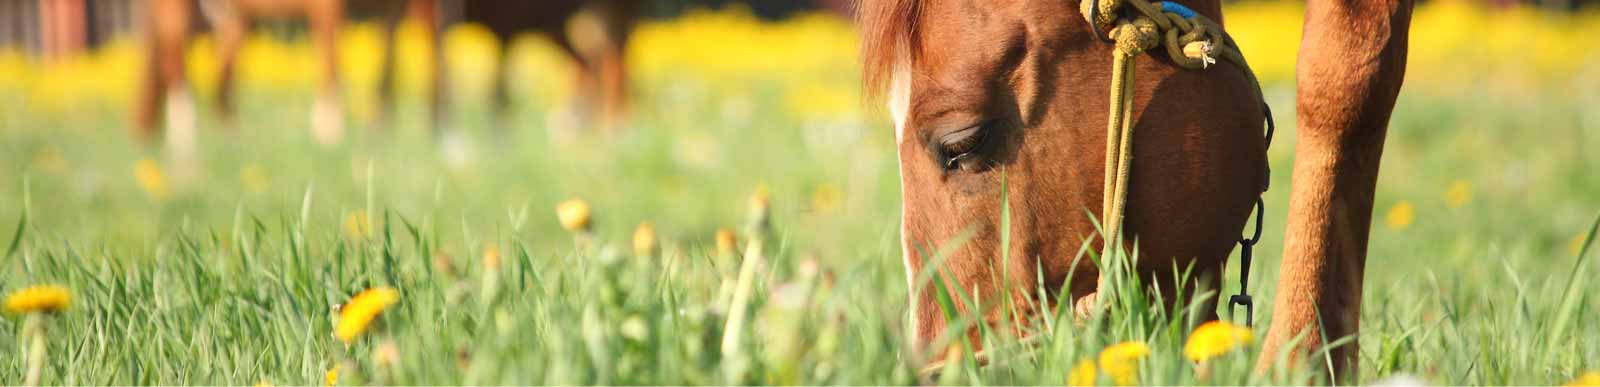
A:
{"x":1179,"y":9}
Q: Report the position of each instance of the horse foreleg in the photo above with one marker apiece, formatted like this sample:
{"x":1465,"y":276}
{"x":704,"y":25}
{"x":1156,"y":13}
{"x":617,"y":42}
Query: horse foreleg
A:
{"x":230,"y":30}
{"x":1352,"y":59}
{"x":327,"y":114}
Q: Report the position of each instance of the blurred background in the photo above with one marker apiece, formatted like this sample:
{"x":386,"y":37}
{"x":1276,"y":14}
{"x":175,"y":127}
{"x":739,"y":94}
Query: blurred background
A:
{"x":123,"y":138}
{"x":714,"y":98}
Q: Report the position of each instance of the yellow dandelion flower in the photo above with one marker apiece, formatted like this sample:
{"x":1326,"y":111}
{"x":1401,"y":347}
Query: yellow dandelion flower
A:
{"x":644,"y":240}
{"x":491,"y":256}
{"x":574,"y":215}
{"x":1401,"y":215}
{"x":1459,"y":194}
{"x":254,"y":178}
{"x":826,"y":197}
{"x":39,"y":299}
{"x":727,"y":242}
{"x":151,"y":179}
{"x":1591,"y":378}
{"x":1576,"y":244}
{"x":332,"y":377}
{"x":357,"y":314}
{"x":1121,"y":361}
{"x":1082,"y":374}
{"x":1216,"y":338}
{"x":264,"y":383}
{"x":760,"y":201}
{"x":357,"y":225}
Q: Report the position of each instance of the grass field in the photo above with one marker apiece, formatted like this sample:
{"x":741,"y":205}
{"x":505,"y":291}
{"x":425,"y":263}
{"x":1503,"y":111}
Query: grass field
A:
{"x":1490,"y":186}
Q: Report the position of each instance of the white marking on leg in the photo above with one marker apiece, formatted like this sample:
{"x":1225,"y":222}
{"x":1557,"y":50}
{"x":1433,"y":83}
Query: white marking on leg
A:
{"x":181,"y":133}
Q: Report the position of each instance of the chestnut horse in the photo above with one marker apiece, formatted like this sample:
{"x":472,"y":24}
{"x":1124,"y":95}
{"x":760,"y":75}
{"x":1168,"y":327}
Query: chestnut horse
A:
{"x":168,"y":29}
{"x":594,"y":42}
{"x":1007,"y":99}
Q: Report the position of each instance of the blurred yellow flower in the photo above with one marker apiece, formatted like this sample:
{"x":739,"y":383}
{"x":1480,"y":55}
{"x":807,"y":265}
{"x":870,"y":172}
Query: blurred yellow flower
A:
{"x":644,"y":240}
{"x":332,"y":377}
{"x":727,"y":242}
{"x":39,"y":299}
{"x":1591,"y":378}
{"x":264,"y":383}
{"x":254,"y":178}
{"x":49,"y":159}
{"x":357,"y":226}
{"x":1459,"y":194}
{"x":357,"y":314}
{"x":1082,"y":374}
{"x":1400,"y":215}
{"x":491,"y":256}
{"x":1216,"y":338}
{"x":760,"y":199}
{"x":151,"y":179}
{"x":574,"y":215}
{"x":1575,"y":246}
{"x":826,"y":197}
{"x":1121,"y":361}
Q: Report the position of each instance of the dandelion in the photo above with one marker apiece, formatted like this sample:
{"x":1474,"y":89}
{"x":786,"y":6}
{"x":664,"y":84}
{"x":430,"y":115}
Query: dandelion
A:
{"x":264,"y":383}
{"x":1576,"y":244}
{"x":36,"y":303}
{"x":39,"y":299}
{"x":1121,"y":361}
{"x":151,"y":179}
{"x":1214,"y":339}
{"x":574,"y":215}
{"x":760,"y":208}
{"x":491,"y":257}
{"x":362,"y":309}
{"x":727,"y":242}
{"x":644,"y":240}
{"x":1591,"y":378}
{"x":1400,"y":216}
{"x":331,"y":378}
{"x":1082,"y":374}
{"x":826,"y":197}
{"x":254,"y":178}
{"x":357,"y":226}
{"x":1459,"y":194}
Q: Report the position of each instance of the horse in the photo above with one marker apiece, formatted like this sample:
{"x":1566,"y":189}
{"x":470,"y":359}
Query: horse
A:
{"x":593,"y":33}
{"x":169,"y":25}
{"x":1004,"y":100}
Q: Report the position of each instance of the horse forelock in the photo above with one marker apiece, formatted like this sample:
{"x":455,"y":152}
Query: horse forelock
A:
{"x":888,"y":40}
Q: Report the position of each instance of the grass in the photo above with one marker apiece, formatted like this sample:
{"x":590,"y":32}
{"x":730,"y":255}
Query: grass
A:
{"x":232,"y":276}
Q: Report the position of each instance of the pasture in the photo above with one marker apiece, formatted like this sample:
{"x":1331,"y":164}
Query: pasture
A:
{"x":230,"y":273}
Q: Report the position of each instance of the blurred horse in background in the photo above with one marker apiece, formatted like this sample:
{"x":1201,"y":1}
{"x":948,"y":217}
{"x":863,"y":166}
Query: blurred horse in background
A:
{"x":170,"y":24}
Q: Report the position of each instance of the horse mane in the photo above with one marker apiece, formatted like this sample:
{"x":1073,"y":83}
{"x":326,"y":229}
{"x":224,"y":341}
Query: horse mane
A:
{"x":888,"y":34}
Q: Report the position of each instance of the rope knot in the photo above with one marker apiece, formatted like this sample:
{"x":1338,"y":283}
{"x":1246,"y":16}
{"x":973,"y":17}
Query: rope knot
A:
{"x":1135,"y":36}
{"x":1101,"y":14}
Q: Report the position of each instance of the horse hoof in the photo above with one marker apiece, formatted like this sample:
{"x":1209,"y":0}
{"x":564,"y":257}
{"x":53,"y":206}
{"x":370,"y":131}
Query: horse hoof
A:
{"x":327,"y":122}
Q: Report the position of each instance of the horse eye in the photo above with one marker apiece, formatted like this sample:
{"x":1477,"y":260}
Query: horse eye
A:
{"x":961,"y":148}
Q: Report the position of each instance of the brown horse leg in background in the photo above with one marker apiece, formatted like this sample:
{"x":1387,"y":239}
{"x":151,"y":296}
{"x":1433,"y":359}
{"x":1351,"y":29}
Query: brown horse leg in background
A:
{"x":327,"y":112}
{"x":426,"y":12}
{"x":166,"y":31}
{"x":1352,"y":60}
